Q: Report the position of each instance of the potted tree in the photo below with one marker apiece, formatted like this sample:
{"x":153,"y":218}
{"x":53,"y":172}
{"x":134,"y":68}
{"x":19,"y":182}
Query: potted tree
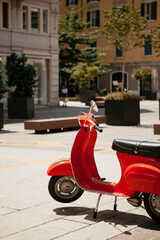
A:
{"x":84,"y":75}
{"x":21,"y":83}
{"x":122,"y":109}
{"x":3,"y":89}
{"x":124,"y":28}
{"x":144,"y":74}
{"x":76,"y":47}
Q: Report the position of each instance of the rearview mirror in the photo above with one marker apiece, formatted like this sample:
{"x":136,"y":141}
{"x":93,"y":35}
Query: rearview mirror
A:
{"x":94,"y":106}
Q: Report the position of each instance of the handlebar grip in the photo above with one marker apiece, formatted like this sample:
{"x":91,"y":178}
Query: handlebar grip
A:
{"x":98,"y":129}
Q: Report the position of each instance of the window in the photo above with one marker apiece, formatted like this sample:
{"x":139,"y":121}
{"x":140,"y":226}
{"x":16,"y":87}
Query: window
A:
{"x":71,"y":2}
{"x":118,"y":52}
{"x":25,"y":18}
{"x":93,"y":18}
{"x":93,"y":44}
{"x":45,"y":21}
{"x":35,"y":19}
{"x":147,"y":46}
{"x":5,"y":14}
{"x":149,"y":10}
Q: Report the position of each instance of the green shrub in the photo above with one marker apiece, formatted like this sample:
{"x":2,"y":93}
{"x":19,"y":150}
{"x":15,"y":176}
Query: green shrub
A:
{"x":21,"y":76}
{"x":3,"y":86}
{"x":121,"y":96}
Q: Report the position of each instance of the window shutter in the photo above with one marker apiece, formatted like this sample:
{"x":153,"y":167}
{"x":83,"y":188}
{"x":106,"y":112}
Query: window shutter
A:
{"x":97,"y":18}
{"x":154,"y":10}
{"x":67,"y":2}
{"x":93,"y":44}
{"x":92,"y":1}
{"x":148,"y":46}
{"x":142,"y":10}
{"x":5,"y":14}
{"x":88,"y":18}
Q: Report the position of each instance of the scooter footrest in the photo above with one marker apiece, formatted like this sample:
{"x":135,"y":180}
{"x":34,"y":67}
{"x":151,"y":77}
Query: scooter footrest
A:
{"x":134,"y":201}
{"x":134,"y":147}
{"x":103,"y":179}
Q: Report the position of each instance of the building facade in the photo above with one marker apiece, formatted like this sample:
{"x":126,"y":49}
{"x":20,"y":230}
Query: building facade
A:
{"x":93,"y":11}
{"x":31,"y":28}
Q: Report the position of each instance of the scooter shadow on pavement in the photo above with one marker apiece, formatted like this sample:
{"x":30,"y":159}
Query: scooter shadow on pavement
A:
{"x":109,"y":216}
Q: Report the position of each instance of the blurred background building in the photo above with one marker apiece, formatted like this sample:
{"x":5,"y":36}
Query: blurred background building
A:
{"x":93,"y":11}
{"x":31,"y":28}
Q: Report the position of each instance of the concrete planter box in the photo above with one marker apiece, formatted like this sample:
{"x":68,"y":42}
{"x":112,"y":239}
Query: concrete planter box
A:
{"x":122,"y":112}
{"x":20,"y":108}
{"x":150,"y":95}
{"x":1,"y":115}
{"x":87,"y":96}
{"x":159,"y":109}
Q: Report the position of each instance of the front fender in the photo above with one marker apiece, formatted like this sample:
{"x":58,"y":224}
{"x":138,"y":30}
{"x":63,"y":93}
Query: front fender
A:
{"x":60,"y":168}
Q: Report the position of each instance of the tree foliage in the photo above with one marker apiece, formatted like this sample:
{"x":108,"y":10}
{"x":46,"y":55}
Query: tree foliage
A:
{"x":155,"y":36}
{"x":3,"y":86}
{"x":124,"y":28}
{"x":75,"y":45}
{"x":143,"y":74}
{"x":83,"y":74}
{"x":21,"y":76}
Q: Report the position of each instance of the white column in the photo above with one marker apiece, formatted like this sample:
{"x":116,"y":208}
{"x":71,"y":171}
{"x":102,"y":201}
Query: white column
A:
{"x":54,"y":51}
{"x":13,"y":14}
{"x":54,"y":80}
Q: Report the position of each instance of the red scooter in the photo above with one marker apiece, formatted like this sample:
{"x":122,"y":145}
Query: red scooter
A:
{"x":140,"y":170}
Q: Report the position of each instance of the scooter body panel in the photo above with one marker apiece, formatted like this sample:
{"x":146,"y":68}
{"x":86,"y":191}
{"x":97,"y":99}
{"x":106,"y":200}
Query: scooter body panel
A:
{"x":143,"y":178}
{"x":85,"y":171}
{"x":141,"y":174}
{"x":60,"y":168}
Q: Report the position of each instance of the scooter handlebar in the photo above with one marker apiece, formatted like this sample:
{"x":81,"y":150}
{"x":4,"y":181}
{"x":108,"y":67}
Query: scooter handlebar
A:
{"x":98,"y":129}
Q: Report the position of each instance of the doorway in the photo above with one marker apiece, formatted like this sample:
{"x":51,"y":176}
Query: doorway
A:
{"x":117,"y":82}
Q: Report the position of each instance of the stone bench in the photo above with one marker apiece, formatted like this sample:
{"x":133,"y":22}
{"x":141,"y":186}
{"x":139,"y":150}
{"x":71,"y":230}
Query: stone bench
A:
{"x":43,"y":125}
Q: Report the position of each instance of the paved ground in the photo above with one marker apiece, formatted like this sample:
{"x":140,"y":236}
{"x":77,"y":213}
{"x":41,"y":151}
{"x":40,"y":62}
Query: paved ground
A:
{"x":26,"y":209}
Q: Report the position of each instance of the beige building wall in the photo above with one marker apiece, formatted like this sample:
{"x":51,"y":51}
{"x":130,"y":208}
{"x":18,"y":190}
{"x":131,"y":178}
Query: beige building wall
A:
{"x":39,"y":45}
{"x":135,"y":58}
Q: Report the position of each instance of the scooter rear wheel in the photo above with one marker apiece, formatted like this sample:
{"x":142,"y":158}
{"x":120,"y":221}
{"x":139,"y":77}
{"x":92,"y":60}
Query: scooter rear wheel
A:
{"x":152,"y":205}
{"x":64,"y":189}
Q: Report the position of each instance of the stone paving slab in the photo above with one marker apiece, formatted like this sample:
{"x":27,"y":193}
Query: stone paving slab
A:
{"x":47,"y":231}
{"x":28,"y":212}
{"x":5,"y":210}
{"x":98,"y":231}
{"x":149,"y":231}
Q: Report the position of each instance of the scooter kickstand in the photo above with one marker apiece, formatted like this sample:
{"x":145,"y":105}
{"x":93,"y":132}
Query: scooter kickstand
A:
{"x":115,"y":204}
{"x":96,"y":209}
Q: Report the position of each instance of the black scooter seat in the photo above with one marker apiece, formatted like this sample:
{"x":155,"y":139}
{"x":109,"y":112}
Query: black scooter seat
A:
{"x":134,"y":147}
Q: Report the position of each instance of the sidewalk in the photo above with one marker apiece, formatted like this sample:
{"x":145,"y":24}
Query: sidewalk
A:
{"x":26,"y":209}
{"x":44,"y":112}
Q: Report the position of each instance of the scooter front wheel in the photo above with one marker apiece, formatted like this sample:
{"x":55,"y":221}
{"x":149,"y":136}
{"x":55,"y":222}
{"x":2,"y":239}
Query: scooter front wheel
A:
{"x":152,"y":205}
{"x":64,"y":189}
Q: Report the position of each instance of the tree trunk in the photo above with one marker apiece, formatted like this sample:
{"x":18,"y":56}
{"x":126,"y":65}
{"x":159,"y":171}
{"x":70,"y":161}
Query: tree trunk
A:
{"x":123,"y":72}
